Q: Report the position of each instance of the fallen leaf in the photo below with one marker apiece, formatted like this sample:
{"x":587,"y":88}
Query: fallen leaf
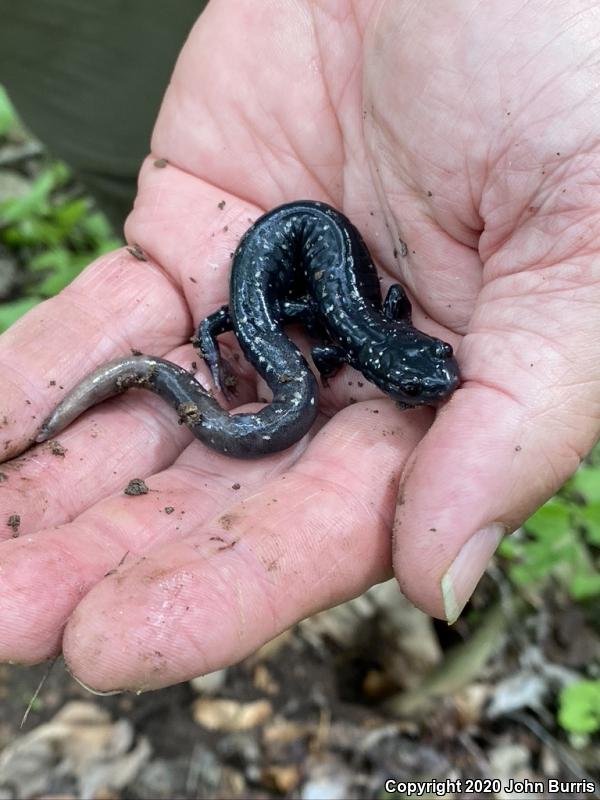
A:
{"x":210,"y":683}
{"x":264,"y":681}
{"x":285,"y":731}
{"x":81,"y":741}
{"x":229,"y":715}
{"x":283,"y":779}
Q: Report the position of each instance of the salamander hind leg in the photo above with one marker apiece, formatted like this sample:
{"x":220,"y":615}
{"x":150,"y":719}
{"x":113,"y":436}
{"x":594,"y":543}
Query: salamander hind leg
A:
{"x":397,"y":305}
{"x":206,"y":344}
{"x":328,"y":359}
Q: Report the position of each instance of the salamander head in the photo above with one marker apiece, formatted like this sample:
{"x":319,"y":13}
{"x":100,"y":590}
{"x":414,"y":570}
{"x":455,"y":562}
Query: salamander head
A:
{"x":412,"y":368}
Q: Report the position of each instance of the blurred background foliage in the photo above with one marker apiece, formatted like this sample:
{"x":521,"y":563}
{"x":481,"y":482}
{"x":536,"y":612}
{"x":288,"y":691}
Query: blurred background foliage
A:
{"x":49,"y":229}
{"x":559,"y":546}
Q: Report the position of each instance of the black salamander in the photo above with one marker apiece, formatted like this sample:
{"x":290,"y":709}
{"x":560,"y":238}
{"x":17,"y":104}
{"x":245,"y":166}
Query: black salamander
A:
{"x":301,"y":262}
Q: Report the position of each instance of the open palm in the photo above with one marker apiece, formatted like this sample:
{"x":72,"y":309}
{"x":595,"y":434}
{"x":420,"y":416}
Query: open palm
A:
{"x":465,"y":149}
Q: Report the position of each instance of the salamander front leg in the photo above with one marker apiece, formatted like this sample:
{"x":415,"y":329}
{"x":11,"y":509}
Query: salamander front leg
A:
{"x":397,"y":305}
{"x":206,"y":344}
{"x":328,"y":359}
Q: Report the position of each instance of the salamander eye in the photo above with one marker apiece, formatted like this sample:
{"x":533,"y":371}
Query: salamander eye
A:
{"x":443,"y":350}
{"x":412,"y":389}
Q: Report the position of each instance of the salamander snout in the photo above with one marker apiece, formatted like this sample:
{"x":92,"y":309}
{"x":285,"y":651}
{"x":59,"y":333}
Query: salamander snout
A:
{"x":443,"y":350}
{"x":441,"y":381}
{"x":428,"y":389}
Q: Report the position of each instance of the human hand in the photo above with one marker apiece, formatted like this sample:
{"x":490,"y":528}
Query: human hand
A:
{"x":207,"y":583}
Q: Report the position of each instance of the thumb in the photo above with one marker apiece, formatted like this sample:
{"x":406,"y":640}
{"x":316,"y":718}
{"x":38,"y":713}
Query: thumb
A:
{"x":491,"y":458}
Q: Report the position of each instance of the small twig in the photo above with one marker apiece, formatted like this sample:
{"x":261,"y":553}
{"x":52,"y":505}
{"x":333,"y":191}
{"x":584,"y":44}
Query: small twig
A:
{"x":507,"y":596}
{"x":194,"y":773}
{"x":475,"y":752}
{"x":37,"y":691}
{"x":323,"y":731}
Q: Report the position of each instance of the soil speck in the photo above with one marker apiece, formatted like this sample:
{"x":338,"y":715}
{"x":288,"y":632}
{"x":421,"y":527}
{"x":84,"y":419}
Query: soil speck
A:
{"x":136,"y":251}
{"x":189,"y":413}
{"x":56,"y":448}
{"x":14,"y":523}
{"x":135,"y":487}
{"x":227,"y":520}
{"x":228,"y":546}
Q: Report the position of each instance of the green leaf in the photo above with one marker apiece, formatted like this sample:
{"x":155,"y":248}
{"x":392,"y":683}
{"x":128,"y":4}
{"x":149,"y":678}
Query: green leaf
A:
{"x":579,"y":707}
{"x":551,"y":522}
{"x":7,"y":114}
{"x":584,"y":585}
{"x":534,"y":570}
{"x":98,"y":228}
{"x":32,"y":232}
{"x":57,"y":260}
{"x":510,"y":548}
{"x":539,"y":559}
{"x":586,"y":482}
{"x":10,"y":312}
{"x":590,"y":517}
{"x":37,"y":201}
{"x":34,"y":202}
{"x":68,"y":215}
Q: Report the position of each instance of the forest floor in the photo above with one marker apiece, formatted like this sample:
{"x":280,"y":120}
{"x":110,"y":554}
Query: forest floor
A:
{"x":368,"y":692}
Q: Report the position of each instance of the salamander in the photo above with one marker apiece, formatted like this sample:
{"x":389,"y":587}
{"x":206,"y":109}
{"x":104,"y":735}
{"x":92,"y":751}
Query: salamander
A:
{"x":301,"y":262}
